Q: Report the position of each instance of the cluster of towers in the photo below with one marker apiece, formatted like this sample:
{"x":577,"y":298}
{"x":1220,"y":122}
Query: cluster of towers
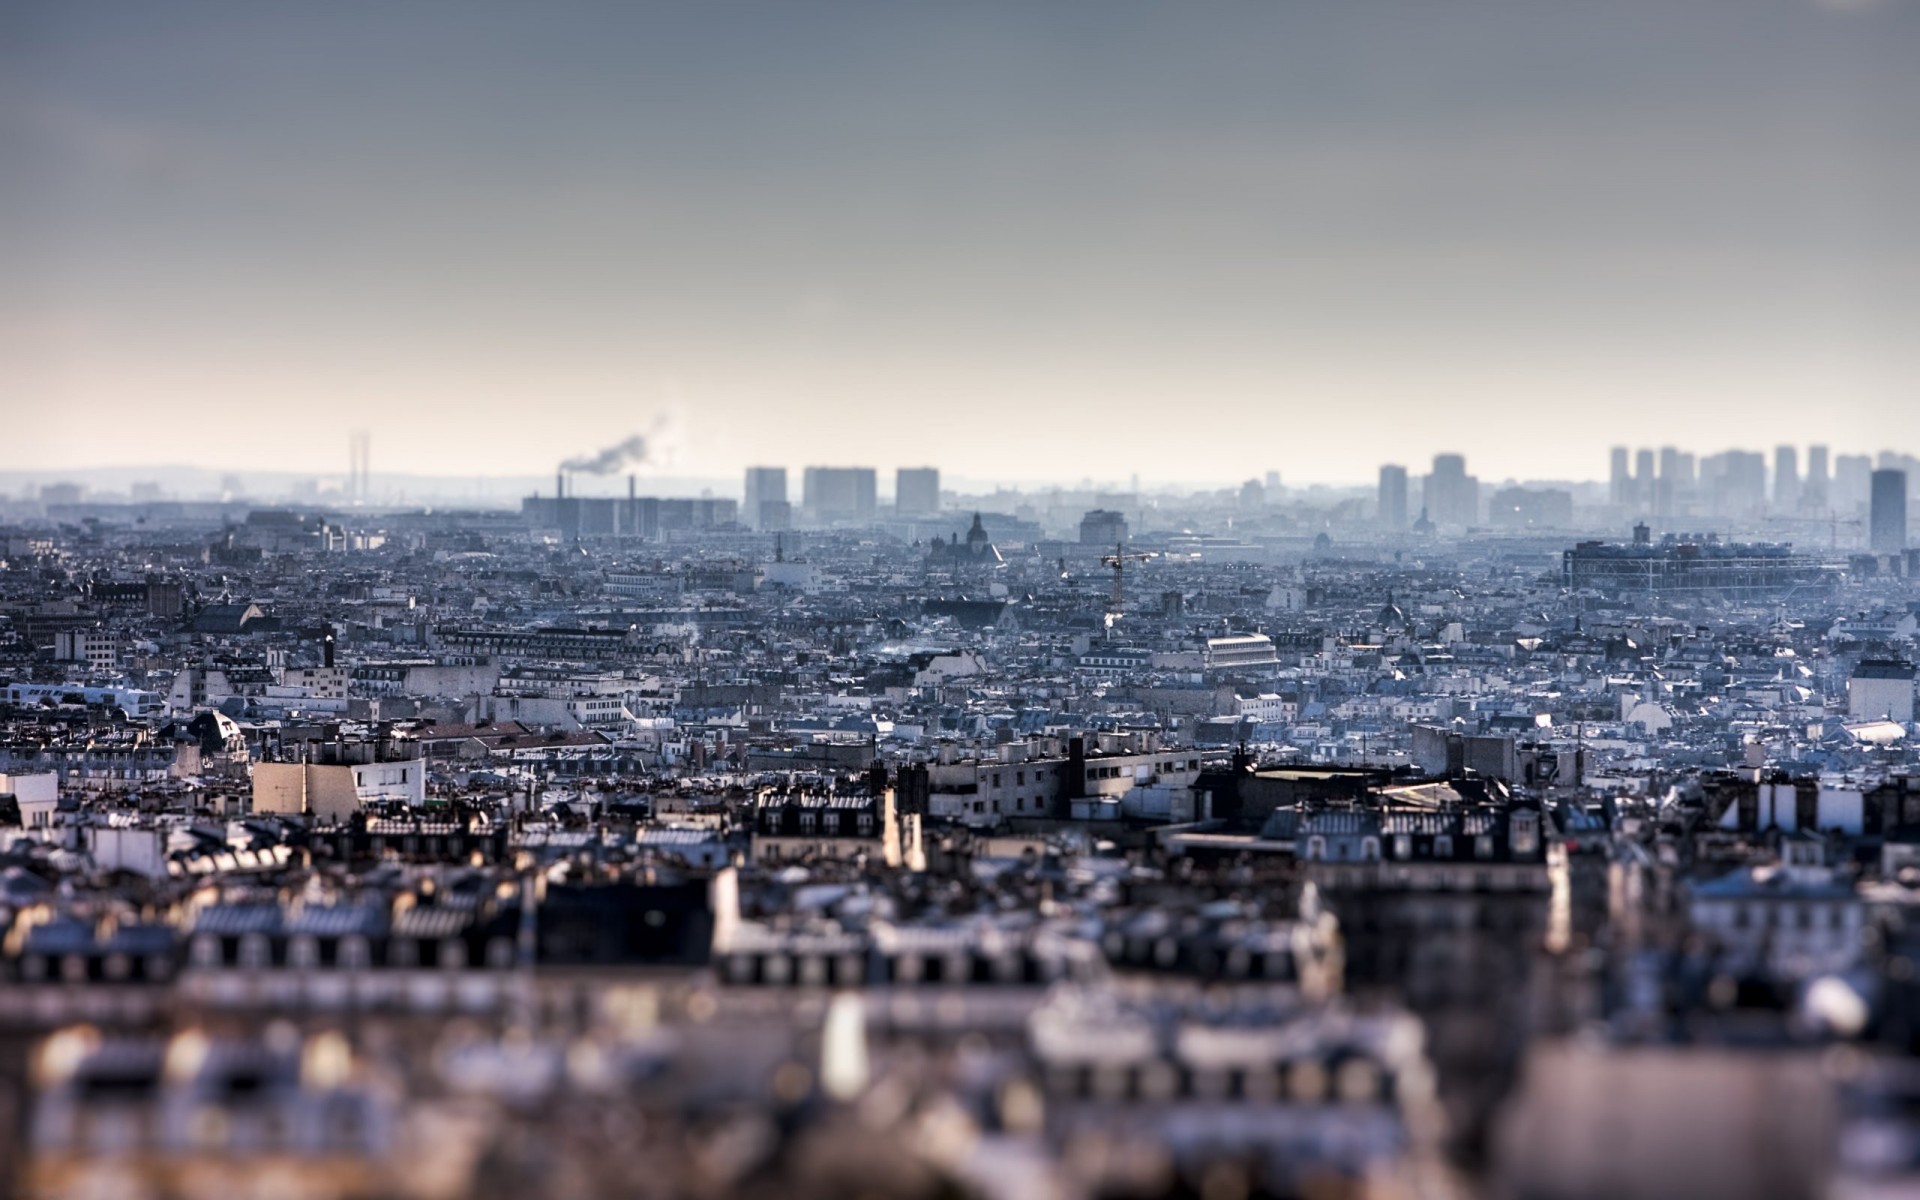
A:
{"x":1739,"y":484}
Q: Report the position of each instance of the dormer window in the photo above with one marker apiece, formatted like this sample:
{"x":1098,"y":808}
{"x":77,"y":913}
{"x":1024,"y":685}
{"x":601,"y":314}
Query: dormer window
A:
{"x":1525,"y":832}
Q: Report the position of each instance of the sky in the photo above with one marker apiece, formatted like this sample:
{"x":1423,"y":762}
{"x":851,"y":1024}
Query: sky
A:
{"x":1019,"y":241}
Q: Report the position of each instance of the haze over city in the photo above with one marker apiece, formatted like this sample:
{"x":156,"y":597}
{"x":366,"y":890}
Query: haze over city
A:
{"x":1023,"y":236}
{"x":1020,"y":600}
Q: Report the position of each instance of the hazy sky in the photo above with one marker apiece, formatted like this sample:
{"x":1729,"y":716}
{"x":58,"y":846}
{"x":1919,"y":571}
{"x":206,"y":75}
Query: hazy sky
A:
{"x":1014,"y":240}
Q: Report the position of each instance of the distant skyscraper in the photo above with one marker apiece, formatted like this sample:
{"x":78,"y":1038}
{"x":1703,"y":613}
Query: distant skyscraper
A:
{"x":1666,"y":491}
{"x":1851,"y":473}
{"x":1887,"y":521}
{"x":1452,"y":495}
{"x":1393,"y":498}
{"x":765,"y":485}
{"x":1622,"y":481}
{"x":1643,"y":477}
{"x":1735,"y":483}
{"x":1273,"y":485}
{"x":1814,"y":491}
{"x":1786,"y":478}
{"x":832,"y":494}
{"x":916,"y":491}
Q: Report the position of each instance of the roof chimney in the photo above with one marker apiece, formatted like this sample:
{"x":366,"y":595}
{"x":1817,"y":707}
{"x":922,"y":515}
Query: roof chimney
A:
{"x":559,"y":485}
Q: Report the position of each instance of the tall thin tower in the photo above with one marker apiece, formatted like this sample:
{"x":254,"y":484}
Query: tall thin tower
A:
{"x":359,"y":465}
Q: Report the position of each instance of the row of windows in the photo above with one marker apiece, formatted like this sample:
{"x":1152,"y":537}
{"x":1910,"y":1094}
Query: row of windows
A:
{"x":255,"y":950}
{"x":829,"y":822}
{"x":1019,"y":805}
{"x":1786,"y":916}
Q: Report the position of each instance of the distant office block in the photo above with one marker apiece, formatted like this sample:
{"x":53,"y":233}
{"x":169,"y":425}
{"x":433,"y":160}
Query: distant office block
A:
{"x":1887,"y":517}
{"x":1453,"y":496}
{"x":836,"y":494}
{"x":1103,"y":527}
{"x":916,"y":491}
{"x":1620,"y":478}
{"x":1814,"y":489}
{"x":1735,"y":482}
{"x":1786,"y":478}
{"x":1851,"y":482}
{"x":765,"y":485}
{"x":775,"y":516}
{"x":1393,"y":498}
{"x":1525,"y":508}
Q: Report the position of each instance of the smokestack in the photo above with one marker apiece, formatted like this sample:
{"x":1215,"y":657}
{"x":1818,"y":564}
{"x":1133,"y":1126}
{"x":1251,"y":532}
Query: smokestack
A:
{"x":632,"y":484}
{"x":559,"y":485}
{"x":326,"y":645}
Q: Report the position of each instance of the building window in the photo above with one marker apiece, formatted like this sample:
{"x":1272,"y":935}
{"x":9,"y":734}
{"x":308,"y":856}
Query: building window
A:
{"x":1443,"y":846}
{"x":255,"y":950}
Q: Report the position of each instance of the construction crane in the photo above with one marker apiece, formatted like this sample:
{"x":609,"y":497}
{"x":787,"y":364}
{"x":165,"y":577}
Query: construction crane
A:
{"x":1118,"y":560}
{"x":1833,"y":523}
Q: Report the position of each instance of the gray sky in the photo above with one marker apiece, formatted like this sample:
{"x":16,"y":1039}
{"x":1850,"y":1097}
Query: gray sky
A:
{"x":1018,"y":241}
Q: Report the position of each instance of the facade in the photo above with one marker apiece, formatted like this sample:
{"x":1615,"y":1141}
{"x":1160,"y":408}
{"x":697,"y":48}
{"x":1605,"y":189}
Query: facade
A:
{"x":1887,"y":515}
{"x":1531,"y":508}
{"x":1103,"y":527}
{"x":1881,"y":690}
{"x":1786,"y":479}
{"x":838,"y":495}
{"x":916,"y":491}
{"x":95,"y":647}
{"x":1452,"y":495}
{"x":1729,"y":568}
{"x":1393,"y":498}
{"x":765,"y":504}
